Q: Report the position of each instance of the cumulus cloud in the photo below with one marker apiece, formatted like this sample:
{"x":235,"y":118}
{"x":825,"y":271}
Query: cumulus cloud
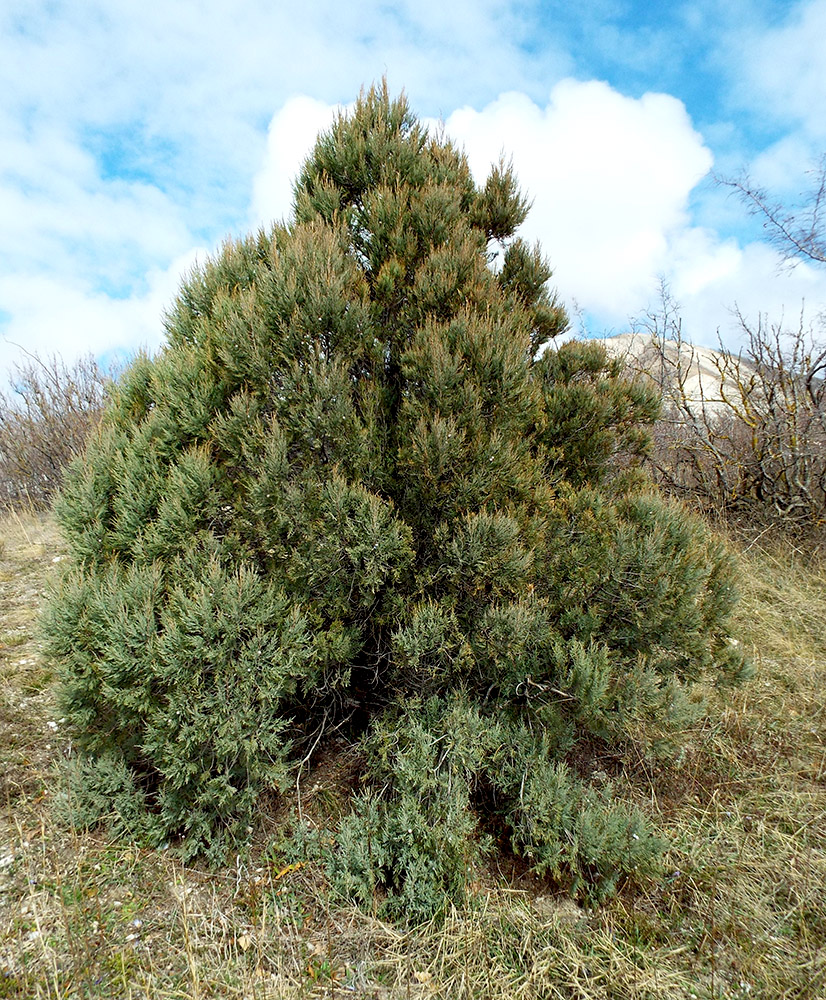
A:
{"x":130,"y":134}
{"x":59,"y":213}
{"x":84,"y":259}
{"x":48,"y":314}
{"x":290,"y":138}
{"x":612,"y":180}
{"x":206,"y":72}
{"x":778,"y":77}
{"x":713,"y":279}
{"x":610,"y":177}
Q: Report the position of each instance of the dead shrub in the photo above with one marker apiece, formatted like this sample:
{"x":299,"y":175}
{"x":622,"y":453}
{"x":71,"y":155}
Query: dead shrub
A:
{"x":47,"y":411}
{"x":740,"y":435}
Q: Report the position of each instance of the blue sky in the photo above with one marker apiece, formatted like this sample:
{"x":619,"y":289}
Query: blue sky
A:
{"x":134,"y":137}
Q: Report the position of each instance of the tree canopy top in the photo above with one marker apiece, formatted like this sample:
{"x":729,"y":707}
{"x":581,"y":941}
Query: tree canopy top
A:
{"x":353,"y":494}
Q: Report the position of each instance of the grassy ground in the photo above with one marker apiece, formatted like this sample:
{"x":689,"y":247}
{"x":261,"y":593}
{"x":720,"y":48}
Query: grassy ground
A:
{"x":740,"y":909}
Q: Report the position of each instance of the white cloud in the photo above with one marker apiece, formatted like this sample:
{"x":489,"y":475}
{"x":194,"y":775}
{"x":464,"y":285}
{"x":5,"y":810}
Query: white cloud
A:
{"x":778,"y":78}
{"x":700,"y":260}
{"x":50,"y":315}
{"x":85,"y":262}
{"x":785,"y":68}
{"x":290,"y":138}
{"x":179,"y":96}
{"x":711,"y":279}
{"x":610,"y":178}
{"x":206,"y":72}
{"x":781,"y":168}
{"x":131,"y":132}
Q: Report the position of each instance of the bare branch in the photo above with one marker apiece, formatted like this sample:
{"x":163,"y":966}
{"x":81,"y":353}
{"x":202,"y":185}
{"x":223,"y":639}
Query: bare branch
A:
{"x":46,"y":414}
{"x":797,"y":232}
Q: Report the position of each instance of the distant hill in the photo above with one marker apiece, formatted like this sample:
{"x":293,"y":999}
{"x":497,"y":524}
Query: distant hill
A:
{"x":689,"y":375}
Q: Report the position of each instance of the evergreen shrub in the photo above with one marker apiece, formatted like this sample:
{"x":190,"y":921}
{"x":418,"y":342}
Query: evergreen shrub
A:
{"x":358,"y":492}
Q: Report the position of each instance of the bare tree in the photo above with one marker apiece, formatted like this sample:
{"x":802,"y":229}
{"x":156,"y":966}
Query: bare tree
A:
{"x":797,"y":232}
{"x":739,"y":433}
{"x":46,"y":414}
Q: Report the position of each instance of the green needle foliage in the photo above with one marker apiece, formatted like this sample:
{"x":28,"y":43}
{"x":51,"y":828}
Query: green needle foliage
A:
{"x":353,"y":493}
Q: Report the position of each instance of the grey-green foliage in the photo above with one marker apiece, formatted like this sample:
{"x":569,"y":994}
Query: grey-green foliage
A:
{"x":418,"y":840}
{"x":353,"y":479}
{"x":103,"y":791}
{"x":445,"y":777}
{"x":215,"y":735}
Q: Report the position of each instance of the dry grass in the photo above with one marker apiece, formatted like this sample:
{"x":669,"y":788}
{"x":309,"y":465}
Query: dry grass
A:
{"x":740,"y":910}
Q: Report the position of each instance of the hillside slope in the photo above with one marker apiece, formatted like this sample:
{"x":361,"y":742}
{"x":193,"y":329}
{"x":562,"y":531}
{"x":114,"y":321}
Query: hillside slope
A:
{"x":694,"y":372}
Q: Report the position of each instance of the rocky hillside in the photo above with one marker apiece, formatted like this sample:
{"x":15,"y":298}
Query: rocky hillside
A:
{"x":688,"y":374}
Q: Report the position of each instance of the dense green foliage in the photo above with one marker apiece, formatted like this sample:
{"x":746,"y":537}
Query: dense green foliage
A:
{"x":353,"y":493}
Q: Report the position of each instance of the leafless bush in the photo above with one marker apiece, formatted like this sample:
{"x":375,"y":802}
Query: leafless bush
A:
{"x":744,"y":433}
{"x":46,"y":414}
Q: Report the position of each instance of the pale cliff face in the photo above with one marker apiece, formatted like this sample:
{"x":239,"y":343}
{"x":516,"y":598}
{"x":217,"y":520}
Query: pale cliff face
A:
{"x":692,"y":376}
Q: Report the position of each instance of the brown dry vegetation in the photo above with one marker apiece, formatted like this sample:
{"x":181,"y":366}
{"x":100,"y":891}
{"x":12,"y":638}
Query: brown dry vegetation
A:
{"x":738,"y":911}
{"x":47,"y":411}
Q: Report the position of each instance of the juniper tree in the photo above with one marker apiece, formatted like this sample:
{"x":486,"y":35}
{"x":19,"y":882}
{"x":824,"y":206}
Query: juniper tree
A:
{"x":357,"y":491}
